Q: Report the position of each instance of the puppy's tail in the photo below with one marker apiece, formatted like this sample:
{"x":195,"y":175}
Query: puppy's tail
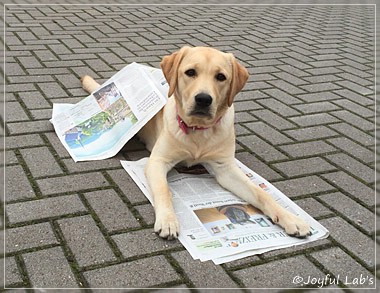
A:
{"x":89,"y":84}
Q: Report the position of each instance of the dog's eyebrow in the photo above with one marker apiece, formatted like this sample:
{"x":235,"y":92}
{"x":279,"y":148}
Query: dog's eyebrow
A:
{"x":220,"y":69}
{"x":191,"y":65}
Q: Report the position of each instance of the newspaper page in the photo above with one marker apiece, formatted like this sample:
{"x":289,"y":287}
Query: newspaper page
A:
{"x":99,"y":126}
{"x":217,"y":225}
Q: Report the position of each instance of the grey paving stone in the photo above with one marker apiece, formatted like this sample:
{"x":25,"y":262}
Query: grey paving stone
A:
{"x":264,"y":63}
{"x":267,"y":132}
{"x":111,"y":210}
{"x":142,"y":273}
{"x":29,"y":62}
{"x":352,"y":186}
{"x":261,"y":148}
{"x":354,"y":149}
{"x":240,"y":130}
{"x":10,"y":158}
{"x":246,"y":105}
{"x":83,"y":166}
{"x":352,"y":166}
{"x":45,"y":55}
{"x":41,"y":114}
{"x":355,"y":212}
{"x":44,"y":208}
{"x":299,"y":57}
{"x":287,"y":87}
{"x":305,"y":149}
{"x":345,"y":269}
{"x":313,"y":132}
{"x":290,"y":78}
{"x":49,"y":268}
{"x":354,"y":133}
{"x":320,"y":87}
{"x":273,"y":119}
{"x":357,"y":98}
{"x":282,"y":96}
{"x":135,"y":155}
{"x":14,"y":112}
{"x":304,"y":186}
{"x":14,"y":68}
{"x":98,"y":63}
{"x":259,"y":167}
{"x":30,"y":236}
{"x":296,"y":63}
{"x":294,"y":71}
{"x":316,"y":107}
{"x":72,"y":183}
{"x":243,"y":117}
{"x":127,"y":186}
{"x":356,"y":120}
{"x":314,"y":208}
{"x":314,"y":119}
{"x":41,"y":162}
{"x":86,"y":241}
{"x":318,"y":97}
{"x":146,"y":212}
{"x":355,"y":87}
{"x":360,"y":245}
{"x":276,"y":274}
{"x":17,"y":184}
{"x":216,"y":277}
{"x":134,"y":145}
{"x":354,"y":67}
{"x":142,"y":242}
{"x":355,"y":108}
{"x":34,"y":100}
{"x":29,"y":127}
{"x":10,"y":271}
{"x":322,"y":78}
{"x":278,"y":107}
{"x":304,"y":166}
{"x":23,"y":141}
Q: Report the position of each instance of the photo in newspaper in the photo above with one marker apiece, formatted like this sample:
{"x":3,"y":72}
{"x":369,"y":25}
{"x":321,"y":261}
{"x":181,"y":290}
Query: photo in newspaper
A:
{"x":220,"y":220}
{"x":214,"y":223}
{"x":99,"y":126}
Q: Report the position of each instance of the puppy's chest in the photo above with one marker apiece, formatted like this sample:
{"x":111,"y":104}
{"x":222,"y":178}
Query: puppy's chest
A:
{"x":203,"y":150}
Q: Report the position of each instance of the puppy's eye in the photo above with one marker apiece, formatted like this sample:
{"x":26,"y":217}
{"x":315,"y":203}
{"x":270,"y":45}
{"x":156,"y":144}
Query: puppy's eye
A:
{"x":220,"y":77}
{"x":190,"y":72}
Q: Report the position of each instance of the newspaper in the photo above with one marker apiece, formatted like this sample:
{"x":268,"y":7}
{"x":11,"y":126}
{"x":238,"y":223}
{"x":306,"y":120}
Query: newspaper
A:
{"x":214,"y":223}
{"x":100,"y":125}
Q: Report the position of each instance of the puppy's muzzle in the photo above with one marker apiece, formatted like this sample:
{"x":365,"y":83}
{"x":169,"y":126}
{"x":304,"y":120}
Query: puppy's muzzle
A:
{"x":202,"y":105}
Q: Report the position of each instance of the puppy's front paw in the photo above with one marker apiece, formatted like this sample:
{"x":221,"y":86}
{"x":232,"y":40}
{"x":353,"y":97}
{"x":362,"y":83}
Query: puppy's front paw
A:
{"x":293,"y":225}
{"x":167,"y":226}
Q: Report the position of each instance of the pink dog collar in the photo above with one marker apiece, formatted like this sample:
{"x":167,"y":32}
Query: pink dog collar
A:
{"x":186,"y":128}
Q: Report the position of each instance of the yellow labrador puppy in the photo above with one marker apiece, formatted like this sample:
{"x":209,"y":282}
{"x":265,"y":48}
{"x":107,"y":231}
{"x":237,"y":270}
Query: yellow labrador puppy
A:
{"x":197,"y":125}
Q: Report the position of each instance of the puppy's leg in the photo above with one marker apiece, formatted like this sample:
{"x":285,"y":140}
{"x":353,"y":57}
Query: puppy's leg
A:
{"x":233,"y":179}
{"x":166,"y":224}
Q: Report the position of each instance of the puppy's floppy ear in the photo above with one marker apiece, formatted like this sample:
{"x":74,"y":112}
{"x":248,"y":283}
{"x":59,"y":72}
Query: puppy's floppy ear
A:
{"x":239,"y":78}
{"x":169,"y":66}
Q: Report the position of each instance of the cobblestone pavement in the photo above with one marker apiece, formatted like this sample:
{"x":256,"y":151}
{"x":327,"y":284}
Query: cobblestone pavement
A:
{"x":305,"y":121}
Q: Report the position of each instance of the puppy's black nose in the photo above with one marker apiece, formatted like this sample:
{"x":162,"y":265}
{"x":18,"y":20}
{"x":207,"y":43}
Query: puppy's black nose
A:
{"x":203,"y":100}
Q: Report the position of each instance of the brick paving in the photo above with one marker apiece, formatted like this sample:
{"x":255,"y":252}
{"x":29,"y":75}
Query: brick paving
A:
{"x":305,"y":121}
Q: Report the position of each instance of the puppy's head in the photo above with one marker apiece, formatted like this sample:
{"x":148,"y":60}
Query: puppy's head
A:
{"x":204,"y":82}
